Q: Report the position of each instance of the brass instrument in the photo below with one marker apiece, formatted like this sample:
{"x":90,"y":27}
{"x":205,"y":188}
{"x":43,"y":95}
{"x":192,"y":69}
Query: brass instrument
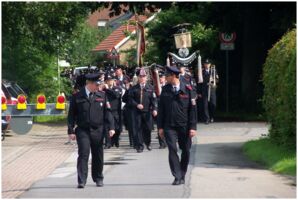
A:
{"x":212,"y":80}
{"x":200,"y":75}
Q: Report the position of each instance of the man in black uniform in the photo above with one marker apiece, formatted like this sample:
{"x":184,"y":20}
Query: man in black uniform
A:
{"x":208,"y":80}
{"x":113,"y":94}
{"x":89,"y":110}
{"x":177,"y":120}
{"x":123,"y":81}
{"x":143,"y":101}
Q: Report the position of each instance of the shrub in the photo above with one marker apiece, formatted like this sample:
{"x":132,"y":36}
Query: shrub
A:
{"x":279,"y":100}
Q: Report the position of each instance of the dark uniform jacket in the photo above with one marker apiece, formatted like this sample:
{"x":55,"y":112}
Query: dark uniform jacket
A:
{"x":114,"y":98}
{"x":88,"y":114}
{"x":177,"y":110}
{"x":149,"y":98}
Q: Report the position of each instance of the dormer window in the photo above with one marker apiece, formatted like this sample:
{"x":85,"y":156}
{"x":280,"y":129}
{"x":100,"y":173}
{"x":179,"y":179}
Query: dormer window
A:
{"x":102,"y":23}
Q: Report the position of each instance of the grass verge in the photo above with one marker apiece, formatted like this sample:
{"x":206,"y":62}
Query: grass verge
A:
{"x":276,"y":158}
{"x":50,"y":119}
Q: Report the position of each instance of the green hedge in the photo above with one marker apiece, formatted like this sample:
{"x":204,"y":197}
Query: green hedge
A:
{"x":279,"y":100}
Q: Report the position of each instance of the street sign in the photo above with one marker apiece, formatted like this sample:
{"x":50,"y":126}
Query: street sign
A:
{"x":227,"y":37}
{"x":227,"y":46}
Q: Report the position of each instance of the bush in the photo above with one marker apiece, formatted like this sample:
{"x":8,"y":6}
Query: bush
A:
{"x":279,"y":100}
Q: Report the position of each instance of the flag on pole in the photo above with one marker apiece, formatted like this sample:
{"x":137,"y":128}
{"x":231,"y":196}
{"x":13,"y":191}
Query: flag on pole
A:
{"x":140,"y":43}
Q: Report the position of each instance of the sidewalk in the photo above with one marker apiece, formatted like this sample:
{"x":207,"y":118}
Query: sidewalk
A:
{"x":29,"y":158}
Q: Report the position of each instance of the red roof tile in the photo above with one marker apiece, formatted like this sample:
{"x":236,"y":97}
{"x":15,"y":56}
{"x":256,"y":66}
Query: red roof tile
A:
{"x":117,"y":35}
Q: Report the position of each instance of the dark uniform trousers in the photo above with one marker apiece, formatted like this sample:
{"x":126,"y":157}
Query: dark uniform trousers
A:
{"x":143,"y":128}
{"x":180,"y":134}
{"x":118,"y":130}
{"x":209,"y":106}
{"x":86,"y":139}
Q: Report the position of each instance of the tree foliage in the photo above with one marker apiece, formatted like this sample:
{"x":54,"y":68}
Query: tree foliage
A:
{"x":161,"y":31}
{"x":84,"y":39}
{"x":34,"y":33}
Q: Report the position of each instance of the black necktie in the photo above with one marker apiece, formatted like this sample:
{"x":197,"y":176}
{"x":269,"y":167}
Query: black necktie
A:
{"x":90,"y":96}
{"x":175,"y":90}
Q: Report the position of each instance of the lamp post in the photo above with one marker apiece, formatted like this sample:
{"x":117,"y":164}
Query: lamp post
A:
{"x":58,"y":77}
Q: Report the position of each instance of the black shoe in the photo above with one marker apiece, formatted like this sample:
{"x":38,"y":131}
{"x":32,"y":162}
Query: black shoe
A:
{"x":182,"y":180}
{"x":207,"y":122}
{"x":149,"y":148}
{"x":81,"y":185}
{"x":139,"y":150}
{"x":176,"y":182}
{"x":162,"y":146}
{"x":117,"y":144}
{"x":99,"y":183}
{"x":107,"y":146}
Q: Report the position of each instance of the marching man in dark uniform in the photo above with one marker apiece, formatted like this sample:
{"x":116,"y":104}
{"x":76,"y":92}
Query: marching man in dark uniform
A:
{"x":177,"y":120}
{"x":143,"y":101}
{"x":207,"y":91}
{"x":113,"y":94}
{"x":89,"y":110}
{"x":123,"y":81}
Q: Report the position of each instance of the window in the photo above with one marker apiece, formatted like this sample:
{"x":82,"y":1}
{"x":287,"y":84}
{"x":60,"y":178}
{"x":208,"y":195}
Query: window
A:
{"x":102,"y":23}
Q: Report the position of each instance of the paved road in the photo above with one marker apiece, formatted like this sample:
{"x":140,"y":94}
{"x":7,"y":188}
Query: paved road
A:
{"x":217,"y":169}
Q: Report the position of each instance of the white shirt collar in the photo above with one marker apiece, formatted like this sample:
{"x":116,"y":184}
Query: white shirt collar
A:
{"x":120,"y":78}
{"x":142,"y":85}
{"x":177,"y":86}
{"x":87,"y":91}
